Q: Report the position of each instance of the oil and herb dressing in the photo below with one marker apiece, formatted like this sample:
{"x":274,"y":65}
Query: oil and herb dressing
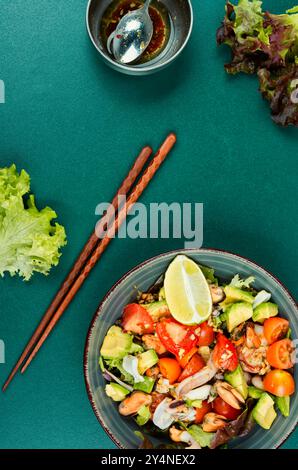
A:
{"x":159,"y":16}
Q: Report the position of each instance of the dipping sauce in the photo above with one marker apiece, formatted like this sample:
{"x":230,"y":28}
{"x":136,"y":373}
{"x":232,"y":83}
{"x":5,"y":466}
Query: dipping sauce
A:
{"x":160,"y":18}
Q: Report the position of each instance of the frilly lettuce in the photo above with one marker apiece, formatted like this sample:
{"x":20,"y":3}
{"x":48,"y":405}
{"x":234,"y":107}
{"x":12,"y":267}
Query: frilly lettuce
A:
{"x":266,"y":44}
{"x":29,"y":241}
{"x":242,"y":283}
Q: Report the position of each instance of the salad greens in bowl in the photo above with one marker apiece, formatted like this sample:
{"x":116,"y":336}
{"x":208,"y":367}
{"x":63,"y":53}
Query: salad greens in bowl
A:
{"x":194,"y":349}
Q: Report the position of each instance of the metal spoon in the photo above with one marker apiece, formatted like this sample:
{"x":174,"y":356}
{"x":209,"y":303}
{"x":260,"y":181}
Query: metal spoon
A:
{"x":132,"y":35}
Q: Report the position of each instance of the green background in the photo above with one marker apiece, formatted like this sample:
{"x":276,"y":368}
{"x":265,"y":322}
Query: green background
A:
{"x":76,"y":126}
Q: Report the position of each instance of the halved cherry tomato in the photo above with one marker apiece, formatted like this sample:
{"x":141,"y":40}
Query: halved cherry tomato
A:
{"x":279,"y":383}
{"x":206,"y":336}
{"x":201,"y":412}
{"x":195,"y":365}
{"x":187,"y":357}
{"x":224,"y":409}
{"x":178,"y":339}
{"x":169,"y":368}
{"x":279,"y":354}
{"x":275,"y":328}
{"x":224,"y":353}
{"x":136,"y":319}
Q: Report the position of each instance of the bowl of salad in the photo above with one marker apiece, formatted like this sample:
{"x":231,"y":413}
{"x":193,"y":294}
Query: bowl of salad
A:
{"x":194,"y":349}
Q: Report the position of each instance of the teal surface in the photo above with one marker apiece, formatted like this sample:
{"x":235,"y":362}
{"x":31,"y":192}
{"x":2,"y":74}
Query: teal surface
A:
{"x":76,"y":126}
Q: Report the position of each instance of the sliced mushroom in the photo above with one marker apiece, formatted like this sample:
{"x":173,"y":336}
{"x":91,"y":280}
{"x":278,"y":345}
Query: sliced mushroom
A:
{"x":134,"y":402}
{"x":212,"y":422}
{"x":217,"y":293}
{"x":161,"y":417}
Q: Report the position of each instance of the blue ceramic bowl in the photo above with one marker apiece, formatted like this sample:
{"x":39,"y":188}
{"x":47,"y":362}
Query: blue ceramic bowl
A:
{"x":226,"y":265}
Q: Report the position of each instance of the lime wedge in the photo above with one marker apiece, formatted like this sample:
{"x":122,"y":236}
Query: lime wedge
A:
{"x":187,"y":292}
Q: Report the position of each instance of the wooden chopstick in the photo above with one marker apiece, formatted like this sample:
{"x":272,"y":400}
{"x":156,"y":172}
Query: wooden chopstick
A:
{"x":94,"y":239}
{"x":100,"y":248}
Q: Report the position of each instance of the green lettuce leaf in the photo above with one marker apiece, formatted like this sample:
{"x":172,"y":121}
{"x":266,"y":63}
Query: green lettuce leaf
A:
{"x":203,"y":438}
{"x":209,"y":274}
{"x":248,"y":19}
{"x":241,"y":283}
{"x":29,"y":241}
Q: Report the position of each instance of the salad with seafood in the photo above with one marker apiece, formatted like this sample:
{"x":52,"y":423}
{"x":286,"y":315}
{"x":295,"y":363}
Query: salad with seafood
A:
{"x":199,"y":361}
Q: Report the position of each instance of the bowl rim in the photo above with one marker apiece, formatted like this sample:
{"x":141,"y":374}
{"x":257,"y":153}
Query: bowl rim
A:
{"x":150,"y":68}
{"x":97,"y":413}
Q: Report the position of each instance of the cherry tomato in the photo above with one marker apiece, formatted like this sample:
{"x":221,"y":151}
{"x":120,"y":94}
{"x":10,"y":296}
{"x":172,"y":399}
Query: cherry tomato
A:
{"x":224,"y":409}
{"x":177,"y":339}
{"x":200,"y":412}
{"x":279,"y":383}
{"x":275,"y":328}
{"x":137,"y":320}
{"x":279,"y":354}
{"x":169,"y":368}
{"x":187,"y":357}
{"x":206,"y":336}
{"x":224,"y":353}
{"x":195,"y":365}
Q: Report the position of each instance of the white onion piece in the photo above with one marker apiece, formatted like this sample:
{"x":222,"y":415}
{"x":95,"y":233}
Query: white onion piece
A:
{"x":259,"y":329}
{"x":200,"y":393}
{"x":130,"y":365}
{"x":261,"y":297}
{"x":123,"y":384}
{"x":257,"y":382}
{"x":161,"y":418}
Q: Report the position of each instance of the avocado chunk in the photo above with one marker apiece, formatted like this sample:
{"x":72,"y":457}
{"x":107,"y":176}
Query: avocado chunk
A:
{"x":264,"y":311}
{"x":144,"y":415}
{"x":264,"y":413}
{"x":145,"y":386}
{"x":136,"y":349}
{"x":116,"y":343}
{"x":157,"y":310}
{"x":238,"y":313}
{"x":283,"y":404}
{"x":237,"y":380}
{"x":254,"y":392}
{"x":116,"y":391}
{"x":235,"y":294}
{"x":147,"y":360}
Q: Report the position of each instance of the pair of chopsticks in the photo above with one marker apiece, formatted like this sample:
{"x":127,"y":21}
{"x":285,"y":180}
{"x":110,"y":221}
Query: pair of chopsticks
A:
{"x":93,"y":250}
